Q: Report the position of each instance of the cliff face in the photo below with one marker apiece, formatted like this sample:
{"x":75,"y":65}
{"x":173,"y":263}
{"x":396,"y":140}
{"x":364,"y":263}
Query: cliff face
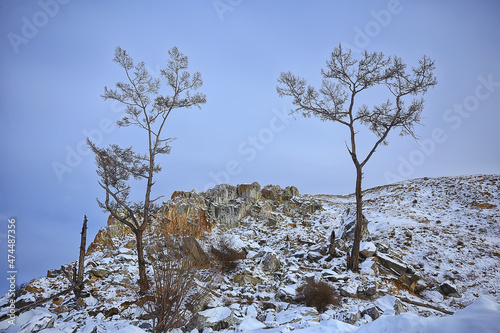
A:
{"x":224,"y":206}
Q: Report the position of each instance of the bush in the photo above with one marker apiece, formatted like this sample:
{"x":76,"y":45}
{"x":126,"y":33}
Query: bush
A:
{"x":318,"y":294}
{"x":178,"y":288}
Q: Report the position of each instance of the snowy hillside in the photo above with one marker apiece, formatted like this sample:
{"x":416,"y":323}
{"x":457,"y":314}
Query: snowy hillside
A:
{"x":430,"y":261}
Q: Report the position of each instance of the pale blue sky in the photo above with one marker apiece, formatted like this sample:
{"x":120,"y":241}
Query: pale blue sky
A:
{"x":56,"y":58}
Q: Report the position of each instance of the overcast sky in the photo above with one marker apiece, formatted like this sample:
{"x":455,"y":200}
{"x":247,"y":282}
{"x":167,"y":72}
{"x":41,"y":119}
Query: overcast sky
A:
{"x":56,"y":57}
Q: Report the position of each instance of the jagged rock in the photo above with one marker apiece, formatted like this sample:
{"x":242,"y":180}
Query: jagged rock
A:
{"x":244,"y":279}
{"x":314,"y":256}
{"x":369,"y":292}
{"x":184,"y":215}
{"x":273,"y":192}
{"x":372,"y":311}
{"x":399,"y":307}
{"x":221,"y":194}
{"x":184,"y":194}
{"x":403,"y":271}
{"x":52,"y":273}
{"x":38,"y":323}
{"x":249,"y":191}
{"x":193,"y":249}
{"x":448,"y":290}
{"x":270,"y":263}
{"x":351,"y":316}
{"x":348,"y":223}
{"x":289,"y":192}
{"x":107,"y":237}
{"x":99,"y":273}
{"x":216,"y":319}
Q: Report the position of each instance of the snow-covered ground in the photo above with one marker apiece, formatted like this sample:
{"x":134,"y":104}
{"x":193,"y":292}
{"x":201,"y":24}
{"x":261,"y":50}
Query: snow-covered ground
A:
{"x":445,"y":231}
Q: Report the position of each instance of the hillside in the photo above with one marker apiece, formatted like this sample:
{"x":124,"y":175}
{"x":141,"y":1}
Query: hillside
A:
{"x":431,"y":248}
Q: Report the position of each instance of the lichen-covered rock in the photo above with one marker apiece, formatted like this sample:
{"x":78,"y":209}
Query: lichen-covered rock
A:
{"x":249,"y":191}
{"x":348,"y":223}
{"x":270,"y":263}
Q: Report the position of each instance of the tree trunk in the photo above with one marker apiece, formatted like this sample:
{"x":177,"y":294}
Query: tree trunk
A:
{"x":354,"y":259}
{"x":81,"y":259}
{"x":143,"y":279}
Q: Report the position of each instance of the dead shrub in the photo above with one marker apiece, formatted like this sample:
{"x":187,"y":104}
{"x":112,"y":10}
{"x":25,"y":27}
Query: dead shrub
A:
{"x":178,"y":290}
{"x":317,"y":294}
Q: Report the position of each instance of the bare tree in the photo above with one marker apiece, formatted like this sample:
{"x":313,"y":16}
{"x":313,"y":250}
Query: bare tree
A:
{"x":344,"y":78}
{"x":147,"y":109}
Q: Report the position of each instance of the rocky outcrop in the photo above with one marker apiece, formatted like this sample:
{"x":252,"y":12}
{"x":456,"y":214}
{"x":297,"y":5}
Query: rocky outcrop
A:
{"x":194,"y":214}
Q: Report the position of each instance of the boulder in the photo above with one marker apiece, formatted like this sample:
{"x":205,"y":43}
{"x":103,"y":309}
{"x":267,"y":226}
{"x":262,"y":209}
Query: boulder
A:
{"x":216,"y":319}
{"x":244,"y":279}
{"x":273,"y":192}
{"x":448,"y":289}
{"x":289,"y":192}
{"x":403,"y":271}
{"x":251,"y":192}
{"x":270,"y":263}
{"x":99,"y":273}
{"x":348,"y":223}
{"x":372,"y":311}
{"x":367,"y":249}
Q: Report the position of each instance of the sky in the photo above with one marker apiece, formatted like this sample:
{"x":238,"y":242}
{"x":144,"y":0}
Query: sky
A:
{"x":56,"y":58}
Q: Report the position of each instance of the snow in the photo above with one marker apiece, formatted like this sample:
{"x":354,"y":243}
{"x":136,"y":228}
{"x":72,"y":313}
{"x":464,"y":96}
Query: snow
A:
{"x":434,"y":226}
{"x":250,"y":324}
{"x":216,"y":314}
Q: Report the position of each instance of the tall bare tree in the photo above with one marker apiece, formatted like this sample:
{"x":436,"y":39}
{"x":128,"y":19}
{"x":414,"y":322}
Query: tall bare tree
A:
{"x":344,"y":78}
{"x":147,"y":109}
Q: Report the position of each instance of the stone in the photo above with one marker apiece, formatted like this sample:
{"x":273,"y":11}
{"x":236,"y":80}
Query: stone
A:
{"x":447,"y":289}
{"x":38,"y":323}
{"x":191,"y":248}
{"x":314,"y":256}
{"x":99,"y":273}
{"x":347,"y":225}
{"x":289,"y":192}
{"x":273,"y":192}
{"x":184,"y":216}
{"x":52,"y":273}
{"x":244,"y":279}
{"x":367,"y":249}
{"x":403,"y":271}
{"x":368,"y":293}
{"x":270,"y":263}
{"x":251,"y":192}
{"x":399,"y":307}
{"x":216,"y":319}
{"x":372,"y":311}
{"x":221,"y":194}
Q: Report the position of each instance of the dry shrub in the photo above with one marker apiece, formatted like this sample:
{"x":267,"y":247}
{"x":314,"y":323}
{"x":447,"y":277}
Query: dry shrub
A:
{"x":178,"y":290}
{"x":318,"y":294}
